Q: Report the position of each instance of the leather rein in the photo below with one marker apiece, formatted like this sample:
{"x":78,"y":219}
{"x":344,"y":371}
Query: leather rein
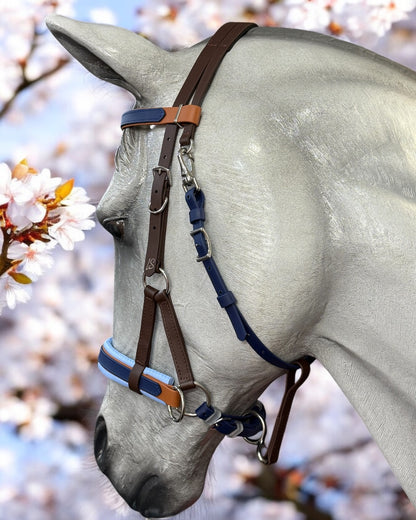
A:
{"x":136,"y":374}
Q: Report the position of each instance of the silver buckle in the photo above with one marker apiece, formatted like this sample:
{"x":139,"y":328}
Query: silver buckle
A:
{"x":208,"y":241}
{"x":160,"y":169}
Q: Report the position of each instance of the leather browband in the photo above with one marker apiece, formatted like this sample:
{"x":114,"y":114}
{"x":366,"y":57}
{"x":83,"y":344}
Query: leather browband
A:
{"x":161,"y":116}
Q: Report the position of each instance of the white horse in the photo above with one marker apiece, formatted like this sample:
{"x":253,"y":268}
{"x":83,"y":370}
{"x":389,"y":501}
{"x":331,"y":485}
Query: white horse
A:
{"x":306,"y":154}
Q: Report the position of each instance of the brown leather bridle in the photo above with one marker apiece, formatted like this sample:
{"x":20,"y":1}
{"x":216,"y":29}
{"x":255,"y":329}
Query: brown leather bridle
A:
{"x":185,"y":115}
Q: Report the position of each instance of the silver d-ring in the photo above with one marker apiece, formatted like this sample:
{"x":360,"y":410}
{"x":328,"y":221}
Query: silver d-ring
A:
{"x":260,"y":441}
{"x":165,"y":276}
{"x":161,"y":209}
{"x":207,"y":398}
{"x":181,"y":410}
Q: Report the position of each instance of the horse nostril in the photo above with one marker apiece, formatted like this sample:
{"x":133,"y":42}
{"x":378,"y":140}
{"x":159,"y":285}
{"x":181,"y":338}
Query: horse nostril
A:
{"x":115,"y":226}
{"x":100,"y":442}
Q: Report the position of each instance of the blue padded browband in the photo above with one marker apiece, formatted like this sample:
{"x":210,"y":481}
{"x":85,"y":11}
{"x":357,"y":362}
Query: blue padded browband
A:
{"x":143,"y":115}
{"x":117,"y":366}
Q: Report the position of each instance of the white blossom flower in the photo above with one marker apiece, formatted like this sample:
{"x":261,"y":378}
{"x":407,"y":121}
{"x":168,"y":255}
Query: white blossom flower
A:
{"x":14,"y":193}
{"x":12,"y":292}
{"x":35,"y":258}
{"x":73,"y":219}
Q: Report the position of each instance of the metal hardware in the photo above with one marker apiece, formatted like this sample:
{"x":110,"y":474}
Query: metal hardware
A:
{"x":165,"y":276}
{"x":181,"y":410}
{"x":161,"y":209}
{"x":178,"y":418}
{"x":159,"y":169}
{"x":208,"y":241}
{"x":186,"y":163}
{"x":177,"y":116}
{"x":260,"y":442}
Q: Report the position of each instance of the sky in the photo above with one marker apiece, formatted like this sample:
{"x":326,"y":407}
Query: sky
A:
{"x":42,"y":127}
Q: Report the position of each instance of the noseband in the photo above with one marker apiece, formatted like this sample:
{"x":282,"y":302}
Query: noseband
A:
{"x":136,"y":374}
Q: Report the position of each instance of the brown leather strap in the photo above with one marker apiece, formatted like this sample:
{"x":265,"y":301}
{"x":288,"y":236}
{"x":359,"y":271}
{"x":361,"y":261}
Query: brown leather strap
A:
{"x":198,"y":81}
{"x":292,"y":385}
{"x":158,"y":220}
{"x":235,"y":32}
{"x":176,"y":341}
{"x":144,"y":344}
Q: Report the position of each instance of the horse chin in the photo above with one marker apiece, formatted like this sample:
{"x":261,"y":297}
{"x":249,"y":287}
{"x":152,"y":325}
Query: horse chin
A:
{"x":153,"y":498}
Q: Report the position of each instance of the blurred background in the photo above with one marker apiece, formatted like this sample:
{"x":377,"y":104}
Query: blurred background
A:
{"x":58,"y":116}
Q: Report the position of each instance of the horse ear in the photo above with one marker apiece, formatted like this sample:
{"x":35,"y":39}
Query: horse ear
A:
{"x":111,"y":53}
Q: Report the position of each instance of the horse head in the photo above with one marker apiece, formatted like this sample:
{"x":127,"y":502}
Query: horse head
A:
{"x":279,"y":150}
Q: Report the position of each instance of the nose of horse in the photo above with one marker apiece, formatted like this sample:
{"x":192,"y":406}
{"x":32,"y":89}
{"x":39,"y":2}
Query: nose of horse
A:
{"x":150,"y":498}
{"x":100,"y":443}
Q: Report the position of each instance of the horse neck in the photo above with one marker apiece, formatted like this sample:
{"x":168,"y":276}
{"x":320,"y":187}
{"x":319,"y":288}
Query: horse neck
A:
{"x":366,"y":335}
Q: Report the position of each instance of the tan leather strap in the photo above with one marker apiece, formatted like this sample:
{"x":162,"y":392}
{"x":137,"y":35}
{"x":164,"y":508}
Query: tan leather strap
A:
{"x":178,"y":115}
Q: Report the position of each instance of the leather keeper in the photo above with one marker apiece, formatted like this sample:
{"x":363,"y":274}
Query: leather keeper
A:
{"x":154,"y":116}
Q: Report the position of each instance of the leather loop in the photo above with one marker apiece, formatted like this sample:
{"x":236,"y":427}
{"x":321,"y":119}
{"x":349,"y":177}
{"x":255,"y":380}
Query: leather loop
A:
{"x":176,"y":341}
{"x":161,"y":116}
{"x":292,"y":386}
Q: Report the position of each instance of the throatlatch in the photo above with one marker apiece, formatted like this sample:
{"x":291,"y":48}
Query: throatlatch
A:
{"x":136,"y":373}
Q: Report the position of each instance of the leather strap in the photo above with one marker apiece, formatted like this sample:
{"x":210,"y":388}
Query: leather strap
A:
{"x":234,"y":31}
{"x":292,"y":385}
{"x":198,"y":81}
{"x":144,"y":344}
{"x":176,"y":342}
{"x":161,"y":116}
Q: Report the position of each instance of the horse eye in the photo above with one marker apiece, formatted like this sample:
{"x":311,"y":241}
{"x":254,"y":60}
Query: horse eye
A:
{"x":115,"y":226}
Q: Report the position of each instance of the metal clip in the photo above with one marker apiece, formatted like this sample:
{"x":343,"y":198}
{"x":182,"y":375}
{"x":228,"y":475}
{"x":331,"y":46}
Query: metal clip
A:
{"x":186,"y":163}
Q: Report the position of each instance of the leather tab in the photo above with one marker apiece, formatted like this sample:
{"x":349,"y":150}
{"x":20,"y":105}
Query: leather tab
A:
{"x":292,"y":386}
{"x":162,"y":116}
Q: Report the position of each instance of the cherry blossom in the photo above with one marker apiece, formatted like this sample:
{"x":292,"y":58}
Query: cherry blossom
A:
{"x":12,"y":292}
{"x":49,"y":348}
{"x":37,"y":211}
{"x":73,"y":219}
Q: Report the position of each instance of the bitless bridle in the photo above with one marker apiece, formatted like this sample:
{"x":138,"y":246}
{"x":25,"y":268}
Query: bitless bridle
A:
{"x":135,"y":373}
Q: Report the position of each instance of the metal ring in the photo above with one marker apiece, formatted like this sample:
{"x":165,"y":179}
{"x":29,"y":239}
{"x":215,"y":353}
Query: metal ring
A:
{"x":165,"y":276}
{"x":260,"y":441}
{"x":161,"y":209}
{"x":207,"y":399}
{"x":181,"y":410}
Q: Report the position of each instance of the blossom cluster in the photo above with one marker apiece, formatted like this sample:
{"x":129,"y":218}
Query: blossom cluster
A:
{"x":37,"y":212}
{"x":362,"y":22}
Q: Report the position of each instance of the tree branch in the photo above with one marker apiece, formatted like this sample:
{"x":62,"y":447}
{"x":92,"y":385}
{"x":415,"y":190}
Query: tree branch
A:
{"x":27,"y":83}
